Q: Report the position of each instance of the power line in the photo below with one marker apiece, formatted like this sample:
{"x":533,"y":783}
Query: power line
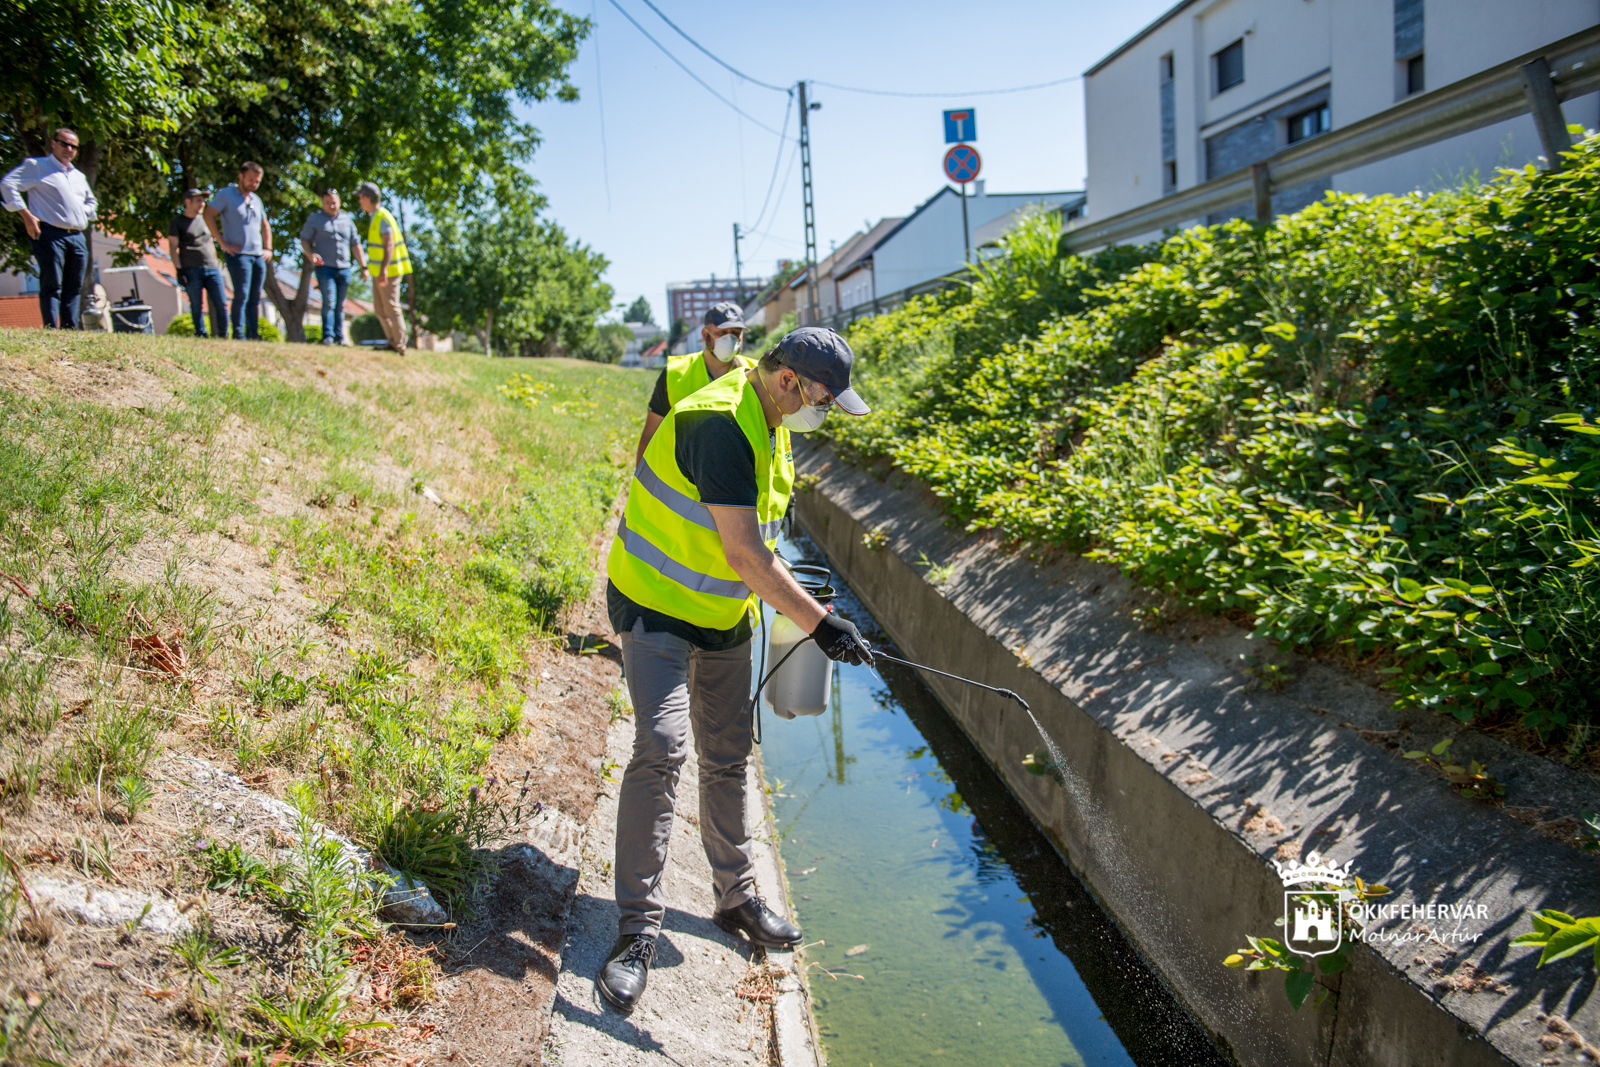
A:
{"x":600,"y":96}
{"x":712,"y":55}
{"x":972,"y":92}
{"x":776,"y":164}
{"x":691,"y":73}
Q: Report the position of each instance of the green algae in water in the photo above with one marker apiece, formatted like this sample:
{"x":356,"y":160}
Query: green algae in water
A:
{"x":924,"y":877}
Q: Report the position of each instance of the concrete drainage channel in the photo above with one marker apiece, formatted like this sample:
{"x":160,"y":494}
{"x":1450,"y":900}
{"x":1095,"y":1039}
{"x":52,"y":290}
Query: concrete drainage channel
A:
{"x":1185,"y":781}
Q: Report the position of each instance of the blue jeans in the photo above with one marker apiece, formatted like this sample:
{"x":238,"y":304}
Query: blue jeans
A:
{"x":247,"y":272}
{"x":333,"y":283}
{"x":61,"y":255}
{"x":207,"y":282}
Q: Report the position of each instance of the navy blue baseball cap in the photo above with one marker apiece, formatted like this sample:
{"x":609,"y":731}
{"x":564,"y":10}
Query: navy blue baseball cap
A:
{"x":820,"y":355}
{"x":725,"y":315}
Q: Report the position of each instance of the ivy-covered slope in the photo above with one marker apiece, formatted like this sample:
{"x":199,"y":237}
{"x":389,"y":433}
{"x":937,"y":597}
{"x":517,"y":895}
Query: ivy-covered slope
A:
{"x":1371,"y":424}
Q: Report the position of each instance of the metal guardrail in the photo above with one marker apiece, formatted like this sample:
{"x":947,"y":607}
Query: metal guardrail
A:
{"x":1570,"y":66}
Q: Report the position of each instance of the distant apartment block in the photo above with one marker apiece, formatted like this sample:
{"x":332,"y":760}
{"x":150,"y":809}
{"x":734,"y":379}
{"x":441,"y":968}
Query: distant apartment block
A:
{"x":689,"y":300}
{"x":1211,"y":87}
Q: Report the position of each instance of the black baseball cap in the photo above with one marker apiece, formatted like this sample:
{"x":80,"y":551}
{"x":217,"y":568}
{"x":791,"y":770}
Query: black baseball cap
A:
{"x":189,"y":194}
{"x":819,"y":354}
{"x":725,"y":315}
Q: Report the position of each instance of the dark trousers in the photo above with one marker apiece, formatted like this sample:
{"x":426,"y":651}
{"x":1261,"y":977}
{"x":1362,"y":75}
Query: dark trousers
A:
{"x":206,"y":282}
{"x":248,"y":273}
{"x":61,"y":255}
{"x":333,"y":282}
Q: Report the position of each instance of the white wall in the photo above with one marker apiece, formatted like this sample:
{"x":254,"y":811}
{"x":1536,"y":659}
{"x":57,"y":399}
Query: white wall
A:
{"x":1289,"y":42}
{"x":930,"y":244}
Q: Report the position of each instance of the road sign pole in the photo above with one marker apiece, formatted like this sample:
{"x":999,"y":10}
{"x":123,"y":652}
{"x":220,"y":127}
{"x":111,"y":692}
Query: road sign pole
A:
{"x":738,"y":268}
{"x":966,"y":232}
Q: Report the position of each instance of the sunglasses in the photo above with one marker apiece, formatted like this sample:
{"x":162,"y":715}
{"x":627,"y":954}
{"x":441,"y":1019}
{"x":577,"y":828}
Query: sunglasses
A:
{"x":66,"y":144}
{"x":827,"y":396}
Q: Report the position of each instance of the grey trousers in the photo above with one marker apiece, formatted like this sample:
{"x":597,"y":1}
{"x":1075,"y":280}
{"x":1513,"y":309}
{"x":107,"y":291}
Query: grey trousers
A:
{"x":674,"y":684}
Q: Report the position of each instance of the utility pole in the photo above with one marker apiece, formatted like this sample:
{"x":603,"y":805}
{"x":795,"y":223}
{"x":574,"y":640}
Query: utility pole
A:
{"x":738,"y":268}
{"x":809,"y":202}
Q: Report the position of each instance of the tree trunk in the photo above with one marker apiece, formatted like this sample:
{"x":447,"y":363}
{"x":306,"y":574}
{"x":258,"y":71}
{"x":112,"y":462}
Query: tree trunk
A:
{"x":291,"y":310}
{"x":488,"y":334}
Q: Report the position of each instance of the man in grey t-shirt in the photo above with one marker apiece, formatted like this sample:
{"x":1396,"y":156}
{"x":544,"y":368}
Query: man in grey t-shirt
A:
{"x":238,"y":221}
{"x":332,"y":244}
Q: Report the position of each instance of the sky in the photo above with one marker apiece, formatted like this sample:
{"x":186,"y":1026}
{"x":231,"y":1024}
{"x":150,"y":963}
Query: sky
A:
{"x":652,"y":170}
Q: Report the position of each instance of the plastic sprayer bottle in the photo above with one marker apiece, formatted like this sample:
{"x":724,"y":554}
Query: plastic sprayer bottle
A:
{"x":803,"y":684}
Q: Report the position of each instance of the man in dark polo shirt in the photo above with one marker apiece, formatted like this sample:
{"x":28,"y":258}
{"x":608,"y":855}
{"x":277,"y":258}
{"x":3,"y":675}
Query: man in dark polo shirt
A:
{"x":194,"y":254}
{"x":723,"y":333}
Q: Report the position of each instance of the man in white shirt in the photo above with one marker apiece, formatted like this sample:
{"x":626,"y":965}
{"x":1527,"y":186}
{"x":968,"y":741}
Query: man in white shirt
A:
{"x":59,"y":208}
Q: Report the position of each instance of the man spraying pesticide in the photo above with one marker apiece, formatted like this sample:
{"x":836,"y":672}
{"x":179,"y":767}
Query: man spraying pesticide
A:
{"x":693,"y":552}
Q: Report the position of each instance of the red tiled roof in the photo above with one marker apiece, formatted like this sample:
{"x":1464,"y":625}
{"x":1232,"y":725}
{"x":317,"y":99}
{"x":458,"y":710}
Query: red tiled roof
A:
{"x":656,"y":349}
{"x":21,"y":311}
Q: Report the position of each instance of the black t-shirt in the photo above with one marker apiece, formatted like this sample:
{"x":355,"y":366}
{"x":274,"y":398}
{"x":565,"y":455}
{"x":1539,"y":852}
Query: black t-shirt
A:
{"x":658,"y":399}
{"x":714,"y":454}
{"x":195,"y":247}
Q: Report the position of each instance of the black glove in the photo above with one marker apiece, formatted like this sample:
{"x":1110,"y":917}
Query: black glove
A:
{"x":840,"y":640}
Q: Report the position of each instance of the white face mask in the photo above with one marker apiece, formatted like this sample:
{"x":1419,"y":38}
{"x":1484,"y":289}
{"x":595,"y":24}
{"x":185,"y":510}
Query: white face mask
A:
{"x":808,"y":418}
{"x":725,"y":347}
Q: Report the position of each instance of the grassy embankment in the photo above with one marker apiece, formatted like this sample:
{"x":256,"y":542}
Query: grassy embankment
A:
{"x":1366,"y":430}
{"x":347,"y":560}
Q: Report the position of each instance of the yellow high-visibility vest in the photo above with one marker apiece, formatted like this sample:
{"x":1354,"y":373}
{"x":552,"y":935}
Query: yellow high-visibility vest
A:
{"x":667,"y":555}
{"x":689,"y":374}
{"x":401,"y":263}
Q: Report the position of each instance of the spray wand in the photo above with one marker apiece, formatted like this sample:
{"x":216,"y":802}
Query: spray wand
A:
{"x":1057,"y":760}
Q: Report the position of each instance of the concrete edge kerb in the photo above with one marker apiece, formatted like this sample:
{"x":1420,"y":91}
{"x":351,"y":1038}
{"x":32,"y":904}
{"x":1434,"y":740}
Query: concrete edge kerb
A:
{"x":797,"y":1041}
{"x":1186,"y":781}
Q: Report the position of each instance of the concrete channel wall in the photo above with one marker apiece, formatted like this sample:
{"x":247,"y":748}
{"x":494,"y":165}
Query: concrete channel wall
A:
{"x":1187,"y":779}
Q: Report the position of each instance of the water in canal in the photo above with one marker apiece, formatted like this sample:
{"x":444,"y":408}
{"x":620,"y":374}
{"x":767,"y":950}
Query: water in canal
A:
{"x":954,"y":932}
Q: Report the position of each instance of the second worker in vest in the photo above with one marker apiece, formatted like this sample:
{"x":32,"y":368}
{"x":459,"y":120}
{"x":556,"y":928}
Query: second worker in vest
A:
{"x":387,"y":262}
{"x":693,"y":551}
{"x":723,"y":333}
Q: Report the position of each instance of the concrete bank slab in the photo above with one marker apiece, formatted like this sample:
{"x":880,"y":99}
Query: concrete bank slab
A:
{"x":691,"y":1014}
{"x":1185,"y":779}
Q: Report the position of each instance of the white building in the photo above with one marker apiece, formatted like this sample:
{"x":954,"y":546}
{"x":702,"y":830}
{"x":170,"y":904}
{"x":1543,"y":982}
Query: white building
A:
{"x":1215,"y":85}
{"x":929,"y":244}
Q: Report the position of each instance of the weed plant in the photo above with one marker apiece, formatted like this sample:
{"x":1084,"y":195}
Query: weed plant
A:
{"x":1370,"y":425}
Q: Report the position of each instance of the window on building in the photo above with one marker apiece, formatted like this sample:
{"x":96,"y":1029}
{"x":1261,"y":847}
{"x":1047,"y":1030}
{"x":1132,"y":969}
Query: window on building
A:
{"x":1416,"y":75}
{"x":1169,"y":175}
{"x":1166,"y":67}
{"x":1309,"y":123}
{"x":1228,"y":67}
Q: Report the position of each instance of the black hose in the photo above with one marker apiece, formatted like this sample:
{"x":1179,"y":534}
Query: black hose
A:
{"x":755,"y":698}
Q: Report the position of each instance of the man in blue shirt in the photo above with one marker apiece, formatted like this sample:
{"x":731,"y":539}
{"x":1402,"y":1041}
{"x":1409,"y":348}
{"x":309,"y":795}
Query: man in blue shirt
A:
{"x":238,"y":220}
{"x":60,"y":207}
{"x":331,"y":243}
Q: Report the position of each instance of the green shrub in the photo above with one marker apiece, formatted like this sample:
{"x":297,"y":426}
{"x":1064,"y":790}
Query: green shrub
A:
{"x":313,"y":332}
{"x":181,"y":326}
{"x":1370,"y":425}
{"x":366,"y":327}
{"x":270,"y":332}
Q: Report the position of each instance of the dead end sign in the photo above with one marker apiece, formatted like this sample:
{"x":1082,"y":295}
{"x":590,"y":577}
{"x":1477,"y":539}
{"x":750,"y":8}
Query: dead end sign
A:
{"x":962,"y":164}
{"x":960,"y":125}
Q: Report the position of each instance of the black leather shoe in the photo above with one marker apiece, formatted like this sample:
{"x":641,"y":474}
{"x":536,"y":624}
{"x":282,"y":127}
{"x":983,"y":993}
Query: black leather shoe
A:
{"x":760,"y":924}
{"x":623,"y":977}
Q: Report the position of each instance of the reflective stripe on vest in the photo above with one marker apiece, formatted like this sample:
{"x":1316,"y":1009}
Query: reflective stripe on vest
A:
{"x":689,"y":374}
{"x":668,"y":556}
{"x":401,"y":263}
{"x":687,"y":506}
{"x":700,"y":583}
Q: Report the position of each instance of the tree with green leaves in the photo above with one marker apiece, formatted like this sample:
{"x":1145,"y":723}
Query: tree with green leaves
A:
{"x":639,"y":311}
{"x":508,"y":276}
{"x":417,"y":97}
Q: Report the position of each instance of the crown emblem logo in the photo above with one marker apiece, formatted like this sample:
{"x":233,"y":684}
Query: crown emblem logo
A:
{"x":1315,"y":869}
